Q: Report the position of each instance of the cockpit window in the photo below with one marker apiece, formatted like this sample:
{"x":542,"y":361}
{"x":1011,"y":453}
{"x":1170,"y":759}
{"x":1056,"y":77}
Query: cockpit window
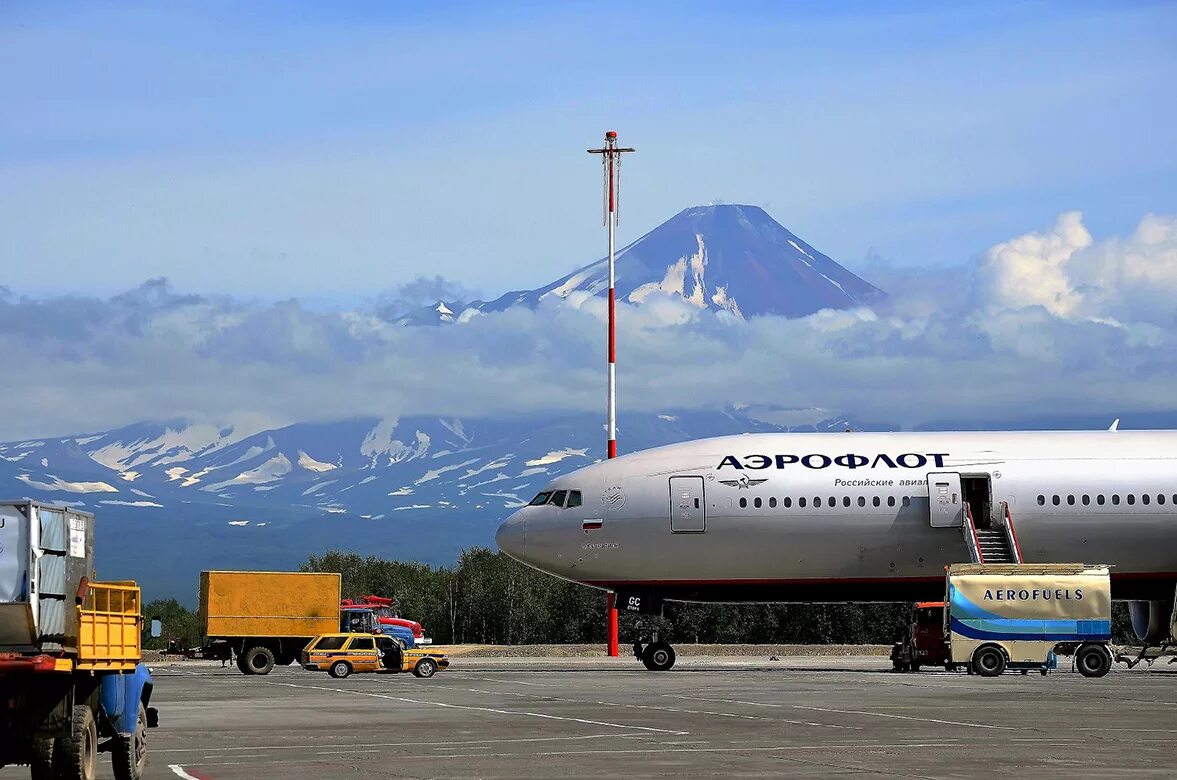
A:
{"x":574,"y":498}
{"x":541,"y":499}
{"x":559,"y":497}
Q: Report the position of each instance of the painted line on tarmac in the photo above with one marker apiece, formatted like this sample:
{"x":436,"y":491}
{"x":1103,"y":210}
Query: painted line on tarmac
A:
{"x":562,"y":700}
{"x":907,"y":717}
{"x":178,"y":771}
{"x":644,"y":751}
{"x":518,"y":682}
{"x":764,"y":704}
{"x":518,"y":713}
{"x":226,"y":750}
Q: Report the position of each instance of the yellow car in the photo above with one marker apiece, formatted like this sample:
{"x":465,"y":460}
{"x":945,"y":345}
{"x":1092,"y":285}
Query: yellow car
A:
{"x":344,"y":654}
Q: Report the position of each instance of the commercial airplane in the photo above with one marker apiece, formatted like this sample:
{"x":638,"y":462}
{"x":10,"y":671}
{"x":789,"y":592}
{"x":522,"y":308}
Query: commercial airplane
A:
{"x":857,"y":517}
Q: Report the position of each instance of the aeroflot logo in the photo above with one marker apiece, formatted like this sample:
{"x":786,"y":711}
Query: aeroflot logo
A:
{"x":908,"y":460}
{"x":1058,"y":594}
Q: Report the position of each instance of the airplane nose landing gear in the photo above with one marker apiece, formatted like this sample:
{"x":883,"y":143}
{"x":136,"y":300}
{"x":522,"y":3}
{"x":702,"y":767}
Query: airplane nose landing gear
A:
{"x":655,"y":655}
{"x":658,"y":656}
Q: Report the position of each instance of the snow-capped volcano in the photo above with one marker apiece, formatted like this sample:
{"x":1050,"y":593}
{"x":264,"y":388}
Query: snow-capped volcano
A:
{"x":724,"y":258}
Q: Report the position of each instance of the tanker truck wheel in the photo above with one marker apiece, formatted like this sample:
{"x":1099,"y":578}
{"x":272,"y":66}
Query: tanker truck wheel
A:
{"x":75,"y":757}
{"x":1093,"y":660}
{"x":259,"y":660}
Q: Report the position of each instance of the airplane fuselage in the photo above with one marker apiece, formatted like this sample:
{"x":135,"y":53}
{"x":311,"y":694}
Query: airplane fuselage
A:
{"x":848,"y":517}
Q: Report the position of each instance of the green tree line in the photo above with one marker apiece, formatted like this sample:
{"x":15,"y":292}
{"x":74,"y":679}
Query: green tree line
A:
{"x":487,"y":597}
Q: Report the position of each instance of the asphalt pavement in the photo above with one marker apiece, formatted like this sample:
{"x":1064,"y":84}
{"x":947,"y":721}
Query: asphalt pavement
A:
{"x":815,"y":717}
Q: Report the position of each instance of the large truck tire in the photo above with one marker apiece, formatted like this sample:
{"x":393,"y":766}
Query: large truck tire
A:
{"x":658,"y":657}
{"x":41,"y":763}
{"x":75,"y":757}
{"x":1093,"y":660}
{"x":259,"y":660}
{"x":988,"y":661}
{"x":129,"y":754}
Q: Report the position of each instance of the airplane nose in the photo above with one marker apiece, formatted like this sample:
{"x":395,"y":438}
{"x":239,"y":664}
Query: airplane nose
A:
{"x":512,"y":536}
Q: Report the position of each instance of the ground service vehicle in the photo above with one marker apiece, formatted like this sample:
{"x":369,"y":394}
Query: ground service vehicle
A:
{"x":345,"y":654}
{"x":384,"y":610}
{"x":1018,"y":616}
{"x":265,"y":617}
{"x":364,"y":620}
{"x":71,"y":679}
{"x":923,"y":642}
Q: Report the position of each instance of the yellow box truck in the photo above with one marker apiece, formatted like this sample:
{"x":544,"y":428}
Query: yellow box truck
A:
{"x":1018,"y":616}
{"x":265,"y":617}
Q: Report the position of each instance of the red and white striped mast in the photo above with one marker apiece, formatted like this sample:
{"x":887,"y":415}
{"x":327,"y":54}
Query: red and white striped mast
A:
{"x":611,"y":161}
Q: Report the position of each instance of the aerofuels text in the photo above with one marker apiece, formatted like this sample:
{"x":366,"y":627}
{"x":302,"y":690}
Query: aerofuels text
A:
{"x":851,"y":460}
{"x":1035,"y":594}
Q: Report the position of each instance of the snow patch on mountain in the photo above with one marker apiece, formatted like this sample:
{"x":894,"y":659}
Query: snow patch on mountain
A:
{"x":58,"y":484}
{"x":380,"y":442}
{"x":273,"y":469}
{"x":555,"y":456}
{"x":433,"y":474}
{"x":310,"y":464}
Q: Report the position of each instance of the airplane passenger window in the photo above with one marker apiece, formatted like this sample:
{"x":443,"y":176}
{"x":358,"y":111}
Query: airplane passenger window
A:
{"x":772,"y":503}
{"x":1131,"y":499}
{"x":757,"y":502}
{"x":1099,"y":499}
{"x":834,"y":501}
{"x":907,"y":500}
{"x":877,"y":502}
{"x":1161,"y":498}
{"x":1116,"y":499}
{"x":801,"y":502}
{"x":890,"y":500}
{"x":1144,"y":499}
{"x":1054,"y":500}
{"x":1175,"y":498}
{"x":787,"y":502}
{"x":1041,"y":500}
{"x":1070,"y":500}
{"x":541,"y":499}
{"x":575,"y":499}
{"x":817,"y":501}
{"x":558,"y":498}
{"x":743,"y":503}
{"x":845,"y":500}
{"x":1086,"y":499}
{"x":862,"y":500}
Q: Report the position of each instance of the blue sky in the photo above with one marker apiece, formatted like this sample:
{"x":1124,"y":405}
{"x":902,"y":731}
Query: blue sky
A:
{"x":285,"y":149}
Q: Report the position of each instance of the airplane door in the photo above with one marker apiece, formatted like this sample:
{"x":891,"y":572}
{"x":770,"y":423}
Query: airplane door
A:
{"x":687,"y":513}
{"x":945,"y":500}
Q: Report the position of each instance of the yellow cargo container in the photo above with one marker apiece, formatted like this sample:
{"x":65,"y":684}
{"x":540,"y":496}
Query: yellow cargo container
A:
{"x":266,"y":617}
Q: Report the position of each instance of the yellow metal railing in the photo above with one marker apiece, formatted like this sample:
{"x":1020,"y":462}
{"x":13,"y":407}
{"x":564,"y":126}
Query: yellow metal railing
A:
{"x":111,"y":625}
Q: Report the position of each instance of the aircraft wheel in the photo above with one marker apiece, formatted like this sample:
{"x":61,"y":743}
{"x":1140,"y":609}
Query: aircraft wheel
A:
{"x":658,"y":657}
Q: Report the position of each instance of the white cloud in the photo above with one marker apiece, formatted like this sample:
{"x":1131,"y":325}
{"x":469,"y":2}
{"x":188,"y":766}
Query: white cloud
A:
{"x":1053,"y":321}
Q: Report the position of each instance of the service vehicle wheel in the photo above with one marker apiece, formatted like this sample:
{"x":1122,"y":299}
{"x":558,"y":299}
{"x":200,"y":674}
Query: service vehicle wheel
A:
{"x":1093,"y":660}
{"x":41,"y":765}
{"x":339,"y":670}
{"x":426,"y":667}
{"x":259,"y":660}
{"x":241,"y":667}
{"x":988,"y":661}
{"x":75,"y":757}
{"x":129,"y":754}
{"x":658,"y":657}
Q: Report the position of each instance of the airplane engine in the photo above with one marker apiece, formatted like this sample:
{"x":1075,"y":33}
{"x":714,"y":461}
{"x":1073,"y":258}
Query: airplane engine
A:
{"x":1150,"y":620}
